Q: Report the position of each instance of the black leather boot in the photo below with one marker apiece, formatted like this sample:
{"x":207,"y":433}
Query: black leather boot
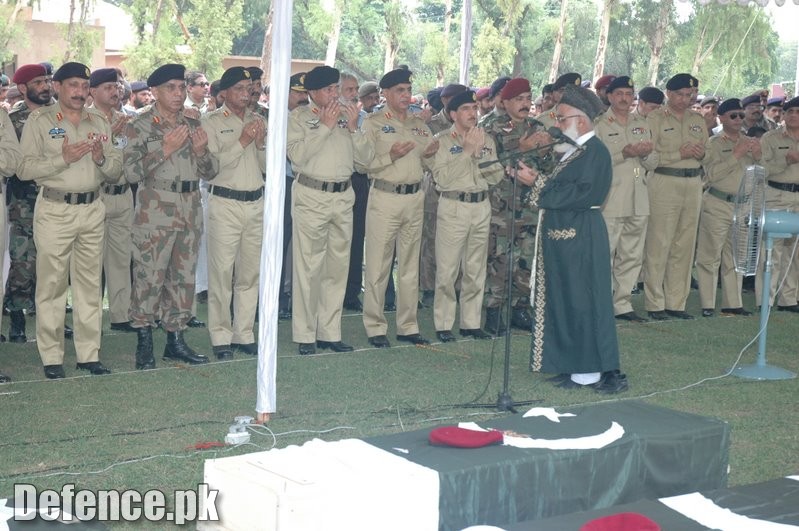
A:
{"x":144,"y":349}
{"x":521,"y":319}
{"x":494,"y":322}
{"x":177,"y":349}
{"x":17,"y":332}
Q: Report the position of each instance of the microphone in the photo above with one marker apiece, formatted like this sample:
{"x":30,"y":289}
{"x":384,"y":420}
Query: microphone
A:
{"x":558,"y":135}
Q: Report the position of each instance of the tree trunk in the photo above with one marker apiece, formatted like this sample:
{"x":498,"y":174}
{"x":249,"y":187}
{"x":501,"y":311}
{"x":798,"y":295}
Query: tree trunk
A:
{"x":391,"y":55}
{"x":553,"y":69}
{"x":698,"y":54}
{"x":266,"y":51}
{"x":333,"y":36}
{"x":70,"y":30}
{"x":447,"y":24}
{"x":602,"y":44}
{"x":657,"y":43}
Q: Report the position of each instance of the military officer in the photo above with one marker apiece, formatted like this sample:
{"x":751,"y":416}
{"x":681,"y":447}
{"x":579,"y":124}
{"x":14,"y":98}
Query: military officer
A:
{"x":675,"y":196}
{"x":37,"y":89}
{"x":774,"y":109}
{"x":255,"y":92}
{"x":167,"y":153}
{"x":401,"y":140}
{"x":464,"y":216}
{"x":516,"y":132}
{"x":570,"y":78}
{"x":649,"y":99}
{"x":497,"y":109}
{"x":118,"y":201}
{"x":753,"y":111}
{"x":10,"y":158}
{"x":780,"y":150}
{"x":236,"y":137}
{"x":728,"y":153}
{"x":68,"y":150}
{"x":626,"y":209}
{"x":323,"y":143}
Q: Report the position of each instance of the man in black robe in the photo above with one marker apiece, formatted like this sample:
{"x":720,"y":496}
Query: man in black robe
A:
{"x":574,"y":333}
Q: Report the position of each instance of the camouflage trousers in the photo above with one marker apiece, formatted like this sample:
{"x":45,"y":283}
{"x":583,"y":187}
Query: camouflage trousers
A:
{"x":21,"y":283}
{"x":496,"y":285}
{"x":164,"y":266}
{"x":427,"y":261}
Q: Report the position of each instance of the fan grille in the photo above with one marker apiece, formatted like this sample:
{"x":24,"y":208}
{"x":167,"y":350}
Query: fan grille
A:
{"x":747,"y":223}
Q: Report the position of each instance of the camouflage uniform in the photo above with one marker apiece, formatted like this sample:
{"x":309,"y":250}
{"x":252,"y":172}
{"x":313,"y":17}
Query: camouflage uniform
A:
{"x":21,"y":200}
{"x":167,"y":221}
{"x":10,"y":157}
{"x":507,"y":136}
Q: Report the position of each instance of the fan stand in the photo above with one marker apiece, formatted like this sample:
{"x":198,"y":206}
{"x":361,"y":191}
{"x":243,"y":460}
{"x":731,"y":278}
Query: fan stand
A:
{"x":776,"y":224}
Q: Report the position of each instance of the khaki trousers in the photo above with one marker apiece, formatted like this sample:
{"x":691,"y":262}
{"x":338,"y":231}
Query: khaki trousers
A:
{"x":117,"y":253}
{"x":626,"y":236}
{"x":461,"y":245}
{"x":674,"y":204}
{"x":393,"y":221}
{"x":714,"y":250}
{"x":320,"y":250}
{"x":69,"y":241}
{"x":234,"y":236}
{"x":781,"y":256}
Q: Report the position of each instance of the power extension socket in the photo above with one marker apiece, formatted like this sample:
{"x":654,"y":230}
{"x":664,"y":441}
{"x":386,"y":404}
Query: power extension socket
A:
{"x":237,"y":438}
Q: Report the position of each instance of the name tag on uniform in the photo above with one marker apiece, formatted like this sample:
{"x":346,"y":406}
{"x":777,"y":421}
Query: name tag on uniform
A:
{"x":726,"y":151}
{"x":783,"y":147}
{"x":613,"y":134}
{"x":224,"y":131}
{"x":388,"y":129}
{"x":455,"y":150}
{"x":668,"y":129}
{"x":57,"y":132}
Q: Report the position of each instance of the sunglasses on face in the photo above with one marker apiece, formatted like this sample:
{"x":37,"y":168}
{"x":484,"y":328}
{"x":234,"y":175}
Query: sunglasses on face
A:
{"x":736,"y":115}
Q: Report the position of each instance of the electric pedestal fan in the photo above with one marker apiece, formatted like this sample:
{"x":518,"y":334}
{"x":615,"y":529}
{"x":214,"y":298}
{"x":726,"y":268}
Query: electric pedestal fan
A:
{"x":751,"y":224}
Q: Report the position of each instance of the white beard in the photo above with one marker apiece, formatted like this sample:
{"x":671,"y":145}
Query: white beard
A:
{"x":572,"y":133}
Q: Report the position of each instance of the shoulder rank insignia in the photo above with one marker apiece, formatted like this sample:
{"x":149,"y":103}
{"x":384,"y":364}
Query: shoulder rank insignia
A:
{"x":315,"y":110}
{"x":59,"y":116}
{"x":56,"y":132}
{"x":388,"y":129}
{"x":226,"y":113}
{"x":456,"y":150}
{"x":156,"y":120}
{"x":387,"y":114}
{"x":418,"y":131}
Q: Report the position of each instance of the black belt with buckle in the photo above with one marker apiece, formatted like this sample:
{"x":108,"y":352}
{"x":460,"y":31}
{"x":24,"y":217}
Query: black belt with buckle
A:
{"x":70,"y":198}
{"x":724,"y":196}
{"x":785,"y":187}
{"x":466,"y":197}
{"x":115,"y":189}
{"x":679,"y":172}
{"x":325,"y":186}
{"x":178,"y":187}
{"x":238,"y":195}
{"x":402,"y":189}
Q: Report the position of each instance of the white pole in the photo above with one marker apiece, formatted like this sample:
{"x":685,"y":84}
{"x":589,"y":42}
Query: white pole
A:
{"x":466,"y":42}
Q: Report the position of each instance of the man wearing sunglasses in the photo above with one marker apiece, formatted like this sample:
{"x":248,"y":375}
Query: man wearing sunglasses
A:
{"x":728,"y":153}
{"x":197,"y":91}
{"x":753,"y":110}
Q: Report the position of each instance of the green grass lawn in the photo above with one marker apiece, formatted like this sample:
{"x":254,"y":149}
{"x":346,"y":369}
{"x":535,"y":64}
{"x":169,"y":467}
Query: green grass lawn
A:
{"x":134,"y":429}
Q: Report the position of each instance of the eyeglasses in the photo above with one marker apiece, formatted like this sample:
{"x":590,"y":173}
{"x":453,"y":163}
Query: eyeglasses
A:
{"x":561,"y":119}
{"x":202,"y":84}
{"x":737,"y":115}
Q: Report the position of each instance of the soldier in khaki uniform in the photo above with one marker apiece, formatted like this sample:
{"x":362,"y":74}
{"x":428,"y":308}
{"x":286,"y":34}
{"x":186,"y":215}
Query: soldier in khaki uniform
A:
{"x":323,"y":143}
{"x":675,"y":198}
{"x":464,"y":217}
{"x":649,"y":99}
{"x":10,"y":158}
{"x":167,"y":153}
{"x":626,"y":209}
{"x":781,"y":159}
{"x":118,"y":200}
{"x":727,"y":155}
{"x":68,"y":150}
{"x":237,"y":138}
{"x":400,"y":140}
{"x":571,"y":78}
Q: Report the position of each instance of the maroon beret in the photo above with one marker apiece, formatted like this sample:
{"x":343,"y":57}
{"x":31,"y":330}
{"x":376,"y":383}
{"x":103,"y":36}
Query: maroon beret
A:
{"x":482,"y":93}
{"x":604,"y":81}
{"x":25,"y":73}
{"x":514,"y":87}
{"x":463,"y":438}
{"x":621,"y":522}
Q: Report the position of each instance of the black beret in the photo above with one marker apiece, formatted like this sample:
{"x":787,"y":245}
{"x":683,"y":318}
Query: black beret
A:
{"x":434,"y":99}
{"x":103,"y":75}
{"x":462,"y":98}
{"x":72,"y":69}
{"x":549,"y":88}
{"x":791,"y":103}
{"x":395,"y":77}
{"x":138,"y":86}
{"x":619,"y":82}
{"x":297,"y":82}
{"x":681,"y":81}
{"x":572,"y":78}
{"x":497,"y":86}
{"x":453,"y":89}
{"x":165,"y":73}
{"x":255,"y":72}
{"x":214,"y":88}
{"x":707,"y":100}
{"x":584,"y":99}
{"x":321,"y":77}
{"x":651,"y":95}
{"x":48,"y":66}
{"x":233,"y":75}
{"x":730,"y":104}
{"x":752,"y":98}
